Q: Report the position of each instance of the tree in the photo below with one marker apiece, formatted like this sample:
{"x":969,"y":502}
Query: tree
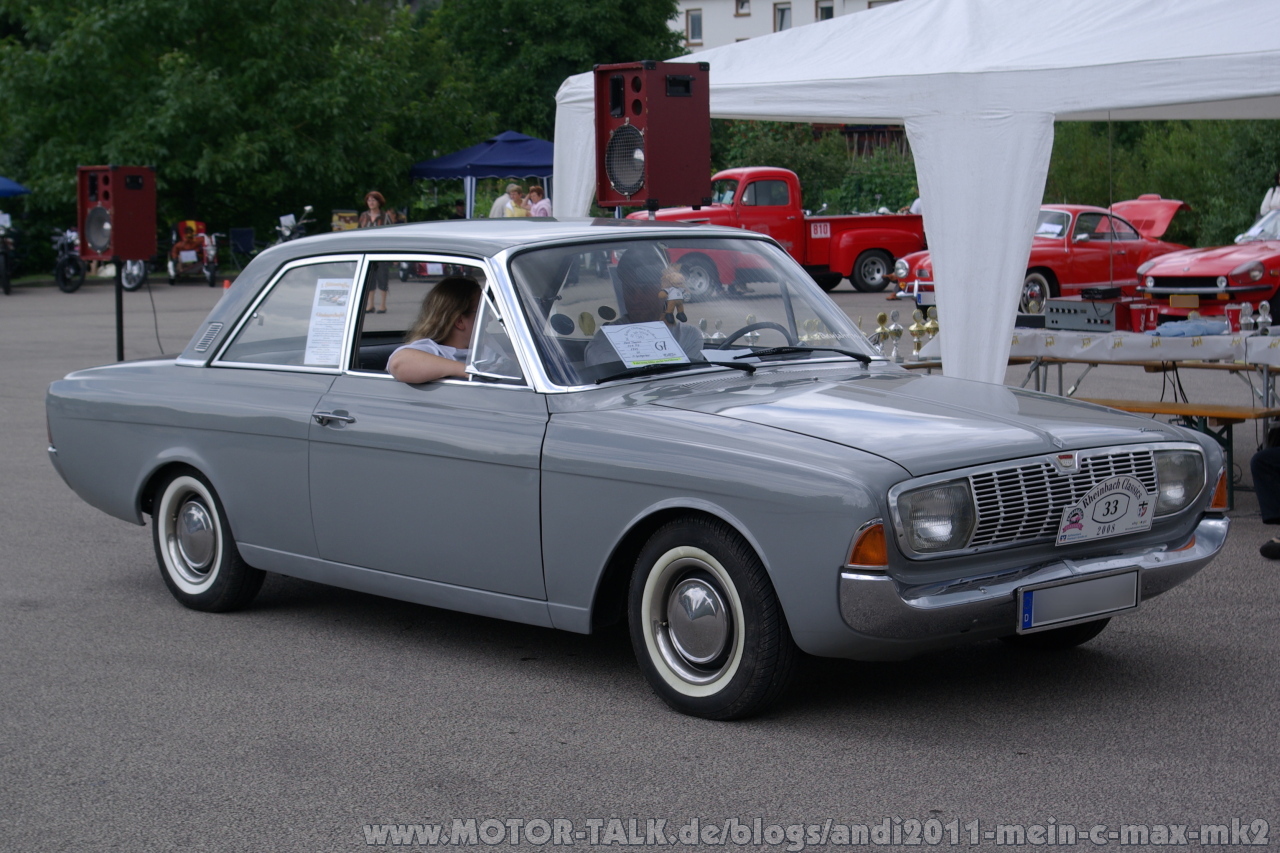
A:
{"x":522,"y":50}
{"x":247,"y":109}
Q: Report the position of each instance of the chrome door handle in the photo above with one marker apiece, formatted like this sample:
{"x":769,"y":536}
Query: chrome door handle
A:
{"x":323,"y":418}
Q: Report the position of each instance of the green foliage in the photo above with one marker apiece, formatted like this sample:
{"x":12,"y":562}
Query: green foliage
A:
{"x":1220,"y":168}
{"x":820,"y":160}
{"x":522,"y":50}
{"x":247,"y":109}
{"x":884,"y":178}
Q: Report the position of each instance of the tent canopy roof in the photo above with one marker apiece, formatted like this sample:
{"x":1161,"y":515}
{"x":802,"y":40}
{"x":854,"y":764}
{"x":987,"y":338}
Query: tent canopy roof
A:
{"x":11,"y":188}
{"x":506,"y":154}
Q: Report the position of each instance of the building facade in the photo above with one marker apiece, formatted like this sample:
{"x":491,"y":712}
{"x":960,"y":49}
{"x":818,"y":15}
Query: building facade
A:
{"x":711,"y":23}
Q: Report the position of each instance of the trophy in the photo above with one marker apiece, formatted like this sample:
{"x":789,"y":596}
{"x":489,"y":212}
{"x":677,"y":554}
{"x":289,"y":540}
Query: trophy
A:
{"x":718,"y":335}
{"x":917,"y":332}
{"x":753,"y":336}
{"x":895,"y":334}
{"x":702,"y":327}
{"x":1247,"y":324}
{"x":880,"y":336}
{"x":1264,"y":318}
{"x":931,"y":325}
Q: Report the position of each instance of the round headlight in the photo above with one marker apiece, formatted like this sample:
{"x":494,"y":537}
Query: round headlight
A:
{"x":1222,"y":281}
{"x":901,"y":268}
{"x":1180,"y":474}
{"x":937,"y":518}
{"x":1151,"y":281}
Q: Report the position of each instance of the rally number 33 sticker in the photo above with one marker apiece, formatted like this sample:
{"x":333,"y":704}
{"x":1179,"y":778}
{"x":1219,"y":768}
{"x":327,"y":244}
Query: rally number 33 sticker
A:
{"x":1114,"y":507}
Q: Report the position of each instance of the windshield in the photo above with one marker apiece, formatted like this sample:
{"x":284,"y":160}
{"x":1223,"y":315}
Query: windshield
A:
{"x":1052,"y":223}
{"x":722,"y":191}
{"x":620,"y":308}
{"x":1266,"y":228}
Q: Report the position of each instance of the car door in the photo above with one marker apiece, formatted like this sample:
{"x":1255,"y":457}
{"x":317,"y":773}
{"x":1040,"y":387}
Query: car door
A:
{"x":767,"y":207}
{"x":438,"y":481}
{"x":1126,"y":252}
{"x":1090,"y":251}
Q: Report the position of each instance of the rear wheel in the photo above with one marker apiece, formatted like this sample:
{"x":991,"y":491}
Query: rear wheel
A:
{"x":706,"y":625}
{"x":134,"y":275}
{"x":1037,"y":288}
{"x":1058,"y":639}
{"x":871,"y":271}
{"x":69,"y":274}
{"x":198,"y":557}
{"x":700,"y":277}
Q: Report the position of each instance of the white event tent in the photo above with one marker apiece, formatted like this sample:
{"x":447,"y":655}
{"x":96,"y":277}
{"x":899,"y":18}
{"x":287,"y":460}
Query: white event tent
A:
{"x":978,"y":85}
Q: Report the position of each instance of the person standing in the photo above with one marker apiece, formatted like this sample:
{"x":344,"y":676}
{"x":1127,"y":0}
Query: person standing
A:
{"x":1271,"y":201}
{"x":540,"y":205}
{"x":519,"y":204}
{"x":502,"y":202}
{"x":375,"y":217}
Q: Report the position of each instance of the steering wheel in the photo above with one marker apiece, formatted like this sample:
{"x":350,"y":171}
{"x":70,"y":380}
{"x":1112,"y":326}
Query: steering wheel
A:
{"x":753,"y":327}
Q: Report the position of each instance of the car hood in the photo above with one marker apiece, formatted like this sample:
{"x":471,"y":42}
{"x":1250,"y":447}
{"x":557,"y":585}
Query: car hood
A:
{"x":924,"y":423}
{"x":1218,"y":260}
{"x":1150,"y":213}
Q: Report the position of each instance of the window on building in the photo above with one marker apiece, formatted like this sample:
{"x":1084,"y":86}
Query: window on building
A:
{"x":871,"y":4}
{"x":742,"y":7}
{"x":693,"y":26}
{"x":824,"y":10}
{"x":781,"y":17}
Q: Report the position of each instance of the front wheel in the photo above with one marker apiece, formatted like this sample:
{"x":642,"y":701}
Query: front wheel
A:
{"x":134,"y":275}
{"x":69,"y":274}
{"x":211,"y":274}
{"x":700,"y":277}
{"x":1037,"y":289}
{"x":828,"y":281}
{"x":198,"y":557}
{"x":706,"y":625}
{"x":871,"y":271}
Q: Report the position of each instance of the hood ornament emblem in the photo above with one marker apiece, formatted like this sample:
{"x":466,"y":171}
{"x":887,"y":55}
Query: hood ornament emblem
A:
{"x":1067,"y":463}
{"x":1057,"y":442}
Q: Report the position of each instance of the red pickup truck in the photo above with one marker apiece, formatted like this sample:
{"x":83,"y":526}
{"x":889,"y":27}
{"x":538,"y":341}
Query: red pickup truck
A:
{"x":861,"y":247}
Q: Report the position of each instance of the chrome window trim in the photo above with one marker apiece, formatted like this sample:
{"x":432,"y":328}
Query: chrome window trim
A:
{"x":966,"y":473}
{"x":344,"y":356}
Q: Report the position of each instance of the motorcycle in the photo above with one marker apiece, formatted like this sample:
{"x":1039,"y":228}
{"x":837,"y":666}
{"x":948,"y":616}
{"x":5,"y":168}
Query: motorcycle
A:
{"x":6,"y":255}
{"x":291,"y":228}
{"x":68,"y":270}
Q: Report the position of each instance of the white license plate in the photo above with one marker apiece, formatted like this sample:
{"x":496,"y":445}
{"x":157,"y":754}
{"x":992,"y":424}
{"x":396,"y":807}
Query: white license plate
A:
{"x":1062,"y":603}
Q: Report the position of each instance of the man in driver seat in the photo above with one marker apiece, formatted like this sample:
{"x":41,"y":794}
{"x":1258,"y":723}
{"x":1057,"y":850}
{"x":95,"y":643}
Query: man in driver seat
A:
{"x":642,"y":274}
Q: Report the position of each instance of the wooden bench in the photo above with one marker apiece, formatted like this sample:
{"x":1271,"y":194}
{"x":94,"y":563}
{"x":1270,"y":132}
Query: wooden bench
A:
{"x":1212,"y":419}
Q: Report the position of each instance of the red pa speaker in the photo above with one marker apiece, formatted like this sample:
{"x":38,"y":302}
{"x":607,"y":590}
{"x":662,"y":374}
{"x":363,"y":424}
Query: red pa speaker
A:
{"x":116,"y":212}
{"x":653,"y":134}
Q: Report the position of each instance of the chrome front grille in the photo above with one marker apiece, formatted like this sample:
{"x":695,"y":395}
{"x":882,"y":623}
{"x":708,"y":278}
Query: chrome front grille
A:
{"x":1024,"y":504}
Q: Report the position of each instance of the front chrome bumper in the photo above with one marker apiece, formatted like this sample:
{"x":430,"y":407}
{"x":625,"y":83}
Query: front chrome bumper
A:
{"x":879,"y":607}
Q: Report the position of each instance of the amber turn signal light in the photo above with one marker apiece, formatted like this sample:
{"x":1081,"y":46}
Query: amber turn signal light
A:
{"x":1220,"y":493}
{"x":869,"y":549}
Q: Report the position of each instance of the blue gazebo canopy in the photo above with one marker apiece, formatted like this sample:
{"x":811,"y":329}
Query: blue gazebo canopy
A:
{"x":501,"y":156}
{"x":11,"y":188}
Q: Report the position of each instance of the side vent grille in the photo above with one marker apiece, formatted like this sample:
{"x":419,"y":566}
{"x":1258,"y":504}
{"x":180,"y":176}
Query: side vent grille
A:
{"x":207,"y":338}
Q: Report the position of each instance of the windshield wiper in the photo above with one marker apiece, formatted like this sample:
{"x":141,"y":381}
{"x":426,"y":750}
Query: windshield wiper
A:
{"x":865,"y":359}
{"x":652,"y":369}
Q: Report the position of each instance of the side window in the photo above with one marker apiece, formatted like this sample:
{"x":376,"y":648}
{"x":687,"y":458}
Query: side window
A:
{"x":301,"y":321}
{"x":492,"y":354}
{"x":766,"y":194}
{"x":391,"y":301}
{"x":1122,"y":230}
{"x":1088,"y":224}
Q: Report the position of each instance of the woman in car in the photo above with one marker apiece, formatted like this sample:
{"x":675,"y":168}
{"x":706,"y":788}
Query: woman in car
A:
{"x":438,"y":342}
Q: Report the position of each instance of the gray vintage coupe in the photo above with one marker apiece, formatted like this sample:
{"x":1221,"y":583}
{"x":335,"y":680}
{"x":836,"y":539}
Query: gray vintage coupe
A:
{"x":739,"y":479}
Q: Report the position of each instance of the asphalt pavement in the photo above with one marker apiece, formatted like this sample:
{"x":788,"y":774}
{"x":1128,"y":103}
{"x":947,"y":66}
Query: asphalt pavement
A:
{"x":318,"y":716}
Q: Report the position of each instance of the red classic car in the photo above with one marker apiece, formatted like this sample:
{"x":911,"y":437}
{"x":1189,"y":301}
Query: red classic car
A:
{"x":1206,"y":280}
{"x":1076,"y":246}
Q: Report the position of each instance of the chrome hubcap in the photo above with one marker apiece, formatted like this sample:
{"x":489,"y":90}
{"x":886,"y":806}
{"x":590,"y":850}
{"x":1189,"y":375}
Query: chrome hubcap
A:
{"x":1033,"y":296}
{"x":697,"y":621}
{"x":193,"y":530}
